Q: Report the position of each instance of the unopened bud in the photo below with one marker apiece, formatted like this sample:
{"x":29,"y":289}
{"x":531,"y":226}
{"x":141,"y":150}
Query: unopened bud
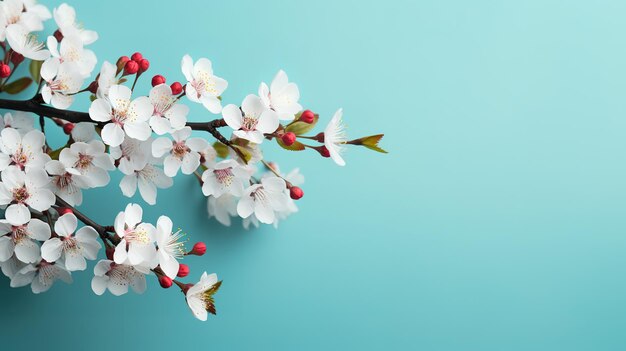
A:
{"x":165,"y":281}
{"x":143,"y":65}
{"x":136,"y":57}
{"x":5,"y":70}
{"x":158,"y":79}
{"x":323,"y":151}
{"x":16,"y":58}
{"x":288,"y":138}
{"x":67,"y":129}
{"x":296,"y":193}
{"x":177,"y":88}
{"x":198,"y":249}
{"x":121,"y":63}
{"x":183,"y":270}
{"x":58,"y":35}
{"x":64,"y":210}
{"x":307,"y":116}
{"x":131,"y":67}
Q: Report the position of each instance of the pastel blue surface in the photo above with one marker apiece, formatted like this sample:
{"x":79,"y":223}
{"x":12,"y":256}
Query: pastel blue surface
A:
{"x":495,"y":223}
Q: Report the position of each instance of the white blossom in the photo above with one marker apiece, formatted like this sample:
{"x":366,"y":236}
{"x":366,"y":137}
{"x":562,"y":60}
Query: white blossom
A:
{"x":335,"y":137}
{"x":182,"y":153}
{"x":263,"y":200}
{"x":65,"y":18}
{"x":62,"y":80}
{"x":72,"y":248}
{"x":281,"y":96}
{"x":117,"y":278}
{"x":200,"y":296}
{"x":137,"y":239}
{"x":41,"y":276}
{"x":252,"y":121}
{"x":168,"y":115}
{"x":202,"y":85}
{"x":20,"y":238}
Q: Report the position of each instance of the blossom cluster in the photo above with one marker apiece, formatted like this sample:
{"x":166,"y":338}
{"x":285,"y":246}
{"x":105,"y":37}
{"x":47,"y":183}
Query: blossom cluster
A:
{"x":150,"y":139}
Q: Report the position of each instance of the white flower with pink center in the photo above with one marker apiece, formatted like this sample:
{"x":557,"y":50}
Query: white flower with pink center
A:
{"x":20,"y":237}
{"x":24,"y":189}
{"x":252,"y":121}
{"x":65,"y":18}
{"x":24,"y":152}
{"x":200,"y":296}
{"x":132,"y":154}
{"x":70,"y":49}
{"x":22,"y":41}
{"x":72,"y":248}
{"x":171,"y":249}
{"x":147,"y":179}
{"x":168,"y":115}
{"x":137,"y":239}
{"x":90,"y":160}
{"x":125,"y":117}
{"x":117,"y":278}
{"x":41,"y":276}
{"x":106,"y":79}
{"x":62,"y":80}
{"x":67,"y":183}
{"x":224,"y":177}
{"x":182,"y":153}
{"x":23,"y":122}
{"x":202,"y":85}
{"x":29,"y":15}
{"x":263,"y":200}
{"x":335,"y":137}
{"x":281,"y":96}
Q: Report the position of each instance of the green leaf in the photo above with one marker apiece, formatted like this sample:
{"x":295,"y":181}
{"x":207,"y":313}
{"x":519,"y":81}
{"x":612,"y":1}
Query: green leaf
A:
{"x":220,"y":149}
{"x":18,"y":86}
{"x":298,"y":127}
{"x":243,"y":153}
{"x":296,"y":146}
{"x":370,"y":142}
{"x":35,"y":70}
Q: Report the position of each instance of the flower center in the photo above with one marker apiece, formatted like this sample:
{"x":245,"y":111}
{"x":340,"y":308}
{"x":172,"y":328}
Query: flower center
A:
{"x":179,"y":149}
{"x":19,"y":158}
{"x":137,"y":235}
{"x":162,"y":105}
{"x":224,"y":176}
{"x":63,"y":181}
{"x":84,"y":161}
{"x":57,"y":85}
{"x":71,"y":246}
{"x":20,"y":194}
{"x":119,"y":117}
{"x":175,"y":247}
{"x":249,"y":123}
{"x":19,"y":233}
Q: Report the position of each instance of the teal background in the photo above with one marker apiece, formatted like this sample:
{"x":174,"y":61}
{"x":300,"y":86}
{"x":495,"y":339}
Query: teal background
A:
{"x":495,"y":223}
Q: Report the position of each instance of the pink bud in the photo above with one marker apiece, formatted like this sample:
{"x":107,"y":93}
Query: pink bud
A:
{"x":177,"y":88}
{"x":296,"y":193}
{"x":5,"y":70}
{"x":67,"y":129}
{"x":158,"y":79}
{"x":307,"y":116}
{"x":64,"y":210}
{"x":131,"y":67}
{"x":143,"y":65}
{"x":198,"y":249}
{"x":288,"y":138}
{"x":165,"y":281}
{"x":136,"y":57}
{"x":323,"y":151}
{"x":183,"y":270}
{"x":16,"y":58}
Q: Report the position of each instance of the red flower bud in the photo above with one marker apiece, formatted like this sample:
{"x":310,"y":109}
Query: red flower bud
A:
{"x":296,"y":193}
{"x":16,"y":58}
{"x":143,"y":65}
{"x":288,"y":138}
{"x":158,"y":79}
{"x":323,"y":151}
{"x":64,"y":210}
{"x":58,"y":35}
{"x":131,"y":67}
{"x":177,"y":88}
{"x":183,"y":270}
{"x":165,"y":281}
{"x":198,"y":249}
{"x":5,"y":70}
{"x":121,"y":62}
{"x":307,"y":116}
{"x":136,"y":57}
{"x":67,"y":129}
